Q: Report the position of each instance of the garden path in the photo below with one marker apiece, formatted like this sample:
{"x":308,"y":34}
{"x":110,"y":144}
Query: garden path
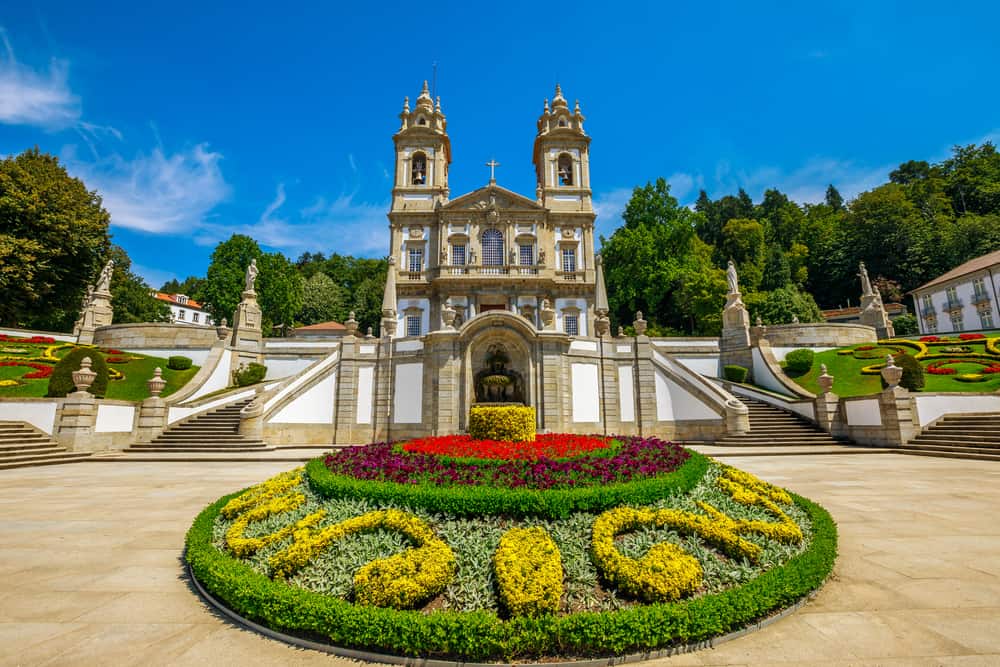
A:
{"x":90,"y":569}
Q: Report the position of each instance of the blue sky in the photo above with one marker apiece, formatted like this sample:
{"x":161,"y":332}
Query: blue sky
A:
{"x":195,"y":120}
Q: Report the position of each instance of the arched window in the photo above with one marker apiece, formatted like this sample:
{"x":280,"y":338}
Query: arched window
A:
{"x":492,"y":249}
{"x":418,"y":169}
{"x":565,"y":169}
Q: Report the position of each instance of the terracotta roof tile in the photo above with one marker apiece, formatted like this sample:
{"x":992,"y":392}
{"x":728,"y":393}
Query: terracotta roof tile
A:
{"x":323,"y":326}
{"x":973,"y":265}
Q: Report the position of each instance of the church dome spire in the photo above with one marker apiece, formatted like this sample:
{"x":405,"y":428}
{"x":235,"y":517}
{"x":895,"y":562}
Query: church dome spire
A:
{"x":559,"y":102}
{"x":424,"y":100}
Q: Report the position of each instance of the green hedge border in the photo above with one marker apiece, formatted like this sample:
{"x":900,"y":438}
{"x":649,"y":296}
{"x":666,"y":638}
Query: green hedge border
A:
{"x":481,"y":636}
{"x":489,"y":500}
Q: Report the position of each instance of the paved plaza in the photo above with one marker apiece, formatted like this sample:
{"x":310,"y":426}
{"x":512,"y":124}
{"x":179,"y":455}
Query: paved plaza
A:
{"x":91,"y":571}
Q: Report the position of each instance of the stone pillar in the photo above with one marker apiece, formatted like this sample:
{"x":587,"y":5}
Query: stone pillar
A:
{"x":153,"y":411}
{"x":734,"y":345}
{"x":737,"y":417}
{"x":247,"y":338}
{"x":898,"y":417}
{"x":252,"y":417}
{"x":78,"y":417}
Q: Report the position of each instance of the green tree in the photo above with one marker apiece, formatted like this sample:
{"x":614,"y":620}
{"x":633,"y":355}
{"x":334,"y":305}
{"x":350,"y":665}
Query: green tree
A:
{"x":279,"y":292}
{"x":833,"y":198}
{"x":743,"y":242}
{"x":644,"y":257}
{"x":322,"y":300}
{"x":701,"y":292}
{"x":131,"y":297}
{"x":53,"y":235}
{"x":190,"y":286}
{"x":972,"y":177}
{"x":777,"y":272}
{"x":780,"y":305}
{"x":782,"y":218}
{"x":225,"y":278}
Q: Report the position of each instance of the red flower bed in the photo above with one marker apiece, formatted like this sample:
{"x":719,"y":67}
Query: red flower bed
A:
{"x":111,"y":350}
{"x":971,"y":336}
{"x":41,"y":371}
{"x":547,"y":445}
{"x":5,"y":338}
{"x":939,"y":367}
{"x":117,"y":360}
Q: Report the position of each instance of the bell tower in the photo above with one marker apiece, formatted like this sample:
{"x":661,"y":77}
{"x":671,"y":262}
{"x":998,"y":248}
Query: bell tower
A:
{"x":423,"y":153}
{"x":562,"y":158}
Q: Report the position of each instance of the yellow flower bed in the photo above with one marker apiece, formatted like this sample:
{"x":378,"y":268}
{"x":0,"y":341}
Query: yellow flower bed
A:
{"x":529,"y":572}
{"x":666,"y":572}
{"x":265,"y":500}
{"x":513,"y":423}
{"x":401,"y":581}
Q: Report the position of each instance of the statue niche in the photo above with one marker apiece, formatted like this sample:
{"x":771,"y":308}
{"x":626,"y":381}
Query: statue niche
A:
{"x":496,"y":383}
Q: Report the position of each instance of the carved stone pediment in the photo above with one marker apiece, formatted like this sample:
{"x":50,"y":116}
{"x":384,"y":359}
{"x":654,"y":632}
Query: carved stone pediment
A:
{"x":492,"y":198}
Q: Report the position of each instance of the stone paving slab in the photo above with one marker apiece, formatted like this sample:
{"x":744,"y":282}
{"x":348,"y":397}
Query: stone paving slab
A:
{"x":90,"y":568}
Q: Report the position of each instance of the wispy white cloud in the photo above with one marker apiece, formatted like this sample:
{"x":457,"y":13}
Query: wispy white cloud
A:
{"x":609,"y":207}
{"x":157,"y":192}
{"x":808,"y":182}
{"x":41,"y":98}
{"x":344,"y":224}
{"x":154,"y":277}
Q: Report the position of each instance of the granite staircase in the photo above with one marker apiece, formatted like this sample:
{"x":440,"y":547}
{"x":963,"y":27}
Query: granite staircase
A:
{"x":963,"y":436}
{"x":23,"y":445}
{"x":215,"y":431}
{"x":774,"y":427}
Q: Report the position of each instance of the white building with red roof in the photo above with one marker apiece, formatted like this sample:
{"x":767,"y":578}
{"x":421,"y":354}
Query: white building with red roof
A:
{"x":185,"y":310}
{"x":963,"y":299}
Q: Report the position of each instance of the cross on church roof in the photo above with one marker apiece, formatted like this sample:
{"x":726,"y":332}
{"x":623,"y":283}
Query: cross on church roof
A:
{"x":492,"y":164}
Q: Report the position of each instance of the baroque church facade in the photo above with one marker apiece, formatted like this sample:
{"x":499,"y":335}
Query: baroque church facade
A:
{"x":492,"y":249}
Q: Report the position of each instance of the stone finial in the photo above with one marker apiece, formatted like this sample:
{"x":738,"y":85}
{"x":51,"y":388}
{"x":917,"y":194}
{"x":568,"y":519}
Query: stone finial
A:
{"x":351,"y":324}
{"x":84,"y":377}
{"x":759,"y":322}
{"x":825,"y":380}
{"x":448,"y":314}
{"x":795,"y":319}
{"x":621,"y":331}
{"x":576,"y":108}
{"x":406,"y":104}
{"x":156,"y":383}
{"x":369,"y":333}
{"x":891,"y":373}
{"x":389,"y":301}
{"x":545,"y":106}
{"x":639,"y":324}
{"x":437,"y":104}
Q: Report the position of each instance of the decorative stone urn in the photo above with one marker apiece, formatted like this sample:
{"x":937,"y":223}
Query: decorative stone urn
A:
{"x":824,"y":380}
{"x":84,"y":377}
{"x":351,"y":324}
{"x":891,"y":373}
{"x":156,"y":383}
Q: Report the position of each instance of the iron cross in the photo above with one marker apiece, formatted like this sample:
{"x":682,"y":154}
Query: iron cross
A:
{"x":492,"y":164}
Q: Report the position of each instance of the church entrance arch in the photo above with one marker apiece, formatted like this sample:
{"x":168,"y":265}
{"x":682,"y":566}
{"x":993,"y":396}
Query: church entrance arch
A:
{"x":498,"y":361}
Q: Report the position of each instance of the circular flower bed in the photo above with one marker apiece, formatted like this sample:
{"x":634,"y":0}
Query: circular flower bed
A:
{"x":573,"y":546}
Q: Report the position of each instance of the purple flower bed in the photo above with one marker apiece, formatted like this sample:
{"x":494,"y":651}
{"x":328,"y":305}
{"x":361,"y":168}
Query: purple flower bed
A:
{"x":638,"y":458}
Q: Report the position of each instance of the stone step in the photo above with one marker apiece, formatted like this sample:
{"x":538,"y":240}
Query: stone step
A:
{"x":42,"y":459}
{"x":962,"y":428}
{"x":202,"y":429}
{"x":950,"y":452}
{"x":954,"y":442}
{"x":965,"y":419}
{"x":784,"y":435}
{"x":23,"y":435}
{"x":28,"y":446}
{"x":185,"y":448}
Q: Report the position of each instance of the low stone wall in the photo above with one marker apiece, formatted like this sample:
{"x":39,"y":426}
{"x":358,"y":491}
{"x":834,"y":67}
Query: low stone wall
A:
{"x":818,"y":335}
{"x":155,"y":335}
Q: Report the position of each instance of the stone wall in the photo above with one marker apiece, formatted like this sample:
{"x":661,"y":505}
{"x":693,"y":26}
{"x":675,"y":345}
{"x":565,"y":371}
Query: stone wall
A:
{"x":155,"y":335}
{"x":818,"y":335}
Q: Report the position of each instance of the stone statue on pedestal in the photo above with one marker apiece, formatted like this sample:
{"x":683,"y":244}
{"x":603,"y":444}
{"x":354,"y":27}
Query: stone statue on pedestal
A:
{"x":104,"y":280}
{"x":732,"y":278}
{"x":251,"y":276}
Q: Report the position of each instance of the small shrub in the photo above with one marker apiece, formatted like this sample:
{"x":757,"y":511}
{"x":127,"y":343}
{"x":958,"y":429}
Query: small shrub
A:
{"x":514,"y":423}
{"x":251,"y":373}
{"x":799,"y":361}
{"x":179,"y":363}
{"x":61,"y":382}
{"x":905,"y":325}
{"x":735,"y":373}
{"x":913,"y":373}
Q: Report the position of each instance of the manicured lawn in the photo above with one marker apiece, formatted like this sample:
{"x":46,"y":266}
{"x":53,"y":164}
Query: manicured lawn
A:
{"x":849,"y":381}
{"x":131,"y":387}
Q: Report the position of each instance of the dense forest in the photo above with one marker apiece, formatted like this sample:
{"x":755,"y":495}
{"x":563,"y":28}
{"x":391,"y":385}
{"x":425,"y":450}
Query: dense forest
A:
{"x":665,"y":259}
{"x":668,"y":260}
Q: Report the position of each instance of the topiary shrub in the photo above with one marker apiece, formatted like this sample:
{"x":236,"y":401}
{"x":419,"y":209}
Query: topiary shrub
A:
{"x":247,"y":374}
{"x":179,"y":363}
{"x":735,"y":373}
{"x":799,"y":361}
{"x":913,"y":373}
{"x":61,"y":382}
{"x":513,"y":423}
